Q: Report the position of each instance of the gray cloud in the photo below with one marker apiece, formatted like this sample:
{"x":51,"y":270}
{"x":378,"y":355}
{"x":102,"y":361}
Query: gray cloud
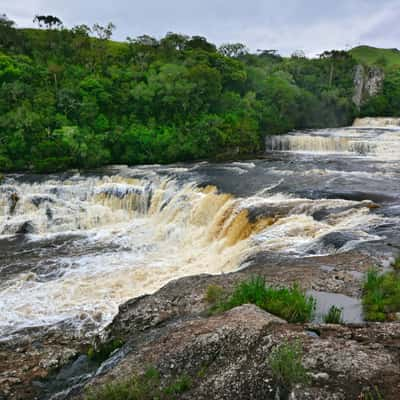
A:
{"x":286,"y":25}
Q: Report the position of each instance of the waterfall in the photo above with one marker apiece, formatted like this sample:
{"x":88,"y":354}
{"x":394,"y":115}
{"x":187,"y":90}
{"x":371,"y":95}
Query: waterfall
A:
{"x":95,"y":242}
{"x":374,"y":142}
{"x":376,"y":122}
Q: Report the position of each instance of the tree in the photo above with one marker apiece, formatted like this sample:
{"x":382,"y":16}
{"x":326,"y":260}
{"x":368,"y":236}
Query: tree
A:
{"x":201,"y":43}
{"x":298,"y":54}
{"x":10,"y":38}
{"x":104,"y":32}
{"x":233,"y":49}
{"x":49,"y":21}
{"x":175,"y":41}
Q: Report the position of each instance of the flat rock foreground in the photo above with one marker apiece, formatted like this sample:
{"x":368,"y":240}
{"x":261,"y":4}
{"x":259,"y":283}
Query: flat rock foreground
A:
{"x":223,"y":356}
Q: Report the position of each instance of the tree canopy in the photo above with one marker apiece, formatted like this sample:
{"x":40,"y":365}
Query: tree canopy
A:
{"x":72,"y":100}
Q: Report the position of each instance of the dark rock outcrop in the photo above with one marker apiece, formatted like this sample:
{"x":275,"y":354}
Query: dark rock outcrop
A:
{"x":368,"y":82}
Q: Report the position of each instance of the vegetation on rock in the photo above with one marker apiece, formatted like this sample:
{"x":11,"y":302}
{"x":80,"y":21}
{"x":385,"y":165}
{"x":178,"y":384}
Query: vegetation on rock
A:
{"x":291,"y":304}
{"x":396,"y":264}
{"x":285,"y":362}
{"x":141,"y":387}
{"x":333,"y":316}
{"x":214,"y":294}
{"x":381,"y":296}
{"x":103,"y":351}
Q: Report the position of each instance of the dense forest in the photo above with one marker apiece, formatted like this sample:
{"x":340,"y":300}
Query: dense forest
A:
{"x":73,"y":98}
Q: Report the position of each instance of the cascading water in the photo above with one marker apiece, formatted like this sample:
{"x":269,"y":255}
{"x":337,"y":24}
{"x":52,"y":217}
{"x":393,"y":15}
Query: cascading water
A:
{"x":365,"y":138}
{"x":74,"y":249}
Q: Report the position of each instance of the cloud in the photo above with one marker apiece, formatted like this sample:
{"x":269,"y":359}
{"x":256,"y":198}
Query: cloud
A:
{"x":287,"y":25}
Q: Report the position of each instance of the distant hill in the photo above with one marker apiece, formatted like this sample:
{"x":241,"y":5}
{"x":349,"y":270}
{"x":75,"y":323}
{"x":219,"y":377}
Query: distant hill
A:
{"x":368,"y":55}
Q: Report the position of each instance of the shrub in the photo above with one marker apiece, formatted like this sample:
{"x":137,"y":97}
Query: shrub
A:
{"x":141,"y":387}
{"x":103,"y":351}
{"x":334,"y":316}
{"x":381,"y":295}
{"x":214,"y":294}
{"x":290,"y":304}
{"x":286,"y":365}
{"x":396,"y":264}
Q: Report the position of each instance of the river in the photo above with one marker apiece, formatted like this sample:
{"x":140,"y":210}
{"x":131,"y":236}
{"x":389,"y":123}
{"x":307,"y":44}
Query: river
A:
{"x":75,"y":246}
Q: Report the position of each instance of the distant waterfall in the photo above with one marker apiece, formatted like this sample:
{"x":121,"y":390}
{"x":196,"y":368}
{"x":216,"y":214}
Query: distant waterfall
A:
{"x":377,"y":122}
{"x":383,"y":142}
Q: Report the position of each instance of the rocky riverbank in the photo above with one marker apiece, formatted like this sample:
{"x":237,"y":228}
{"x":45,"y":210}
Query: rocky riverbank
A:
{"x":225,"y":355}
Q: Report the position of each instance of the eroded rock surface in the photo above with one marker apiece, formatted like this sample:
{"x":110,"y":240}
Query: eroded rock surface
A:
{"x":225,"y":355}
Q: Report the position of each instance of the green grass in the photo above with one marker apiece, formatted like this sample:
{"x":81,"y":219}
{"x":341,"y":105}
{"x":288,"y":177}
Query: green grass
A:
{"x":396,"y":264}
{"x":386,"y":58}
{"x":214,"y":294}
{"x":181,"y":385}
{"x":103,"y":351}
{"x":333,"y":316}
{"x":285,"y":362}
{"x":381,"y":295}
{"x":291,"y":304}
{"x":141,"y":387}
{"x":371,"y":394}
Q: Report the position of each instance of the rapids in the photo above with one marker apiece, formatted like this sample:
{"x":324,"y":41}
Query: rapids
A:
{"x":75,"y":246}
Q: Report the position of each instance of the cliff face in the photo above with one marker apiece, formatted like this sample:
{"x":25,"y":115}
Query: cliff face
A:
{"x":368,"y":81}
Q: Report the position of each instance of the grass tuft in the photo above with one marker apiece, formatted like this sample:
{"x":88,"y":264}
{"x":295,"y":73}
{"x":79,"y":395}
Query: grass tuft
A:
{"x":291,"y":304}
{"x":214,"y":294}
{"x":396,"y":264}
{"x":286,"y":365}
{"x":104,"y":350}
{"x":381,"y":295}
{"x":334,"y":316}
{"x":141,"y":387}
{"x":181,"y":385}
{"x":371,"y":394}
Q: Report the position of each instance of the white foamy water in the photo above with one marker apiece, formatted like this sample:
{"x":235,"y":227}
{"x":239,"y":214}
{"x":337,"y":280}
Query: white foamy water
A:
{"x":75,"y":249}
{"x":135,"y":236}
{"x":382,"y":143}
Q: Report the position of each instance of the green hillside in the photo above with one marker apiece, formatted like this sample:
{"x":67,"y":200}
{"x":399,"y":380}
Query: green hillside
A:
{"x":73,"y":98}
{"x":374,"y":56}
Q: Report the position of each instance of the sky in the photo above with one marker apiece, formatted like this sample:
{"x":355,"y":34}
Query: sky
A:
{"x":287,"y":25}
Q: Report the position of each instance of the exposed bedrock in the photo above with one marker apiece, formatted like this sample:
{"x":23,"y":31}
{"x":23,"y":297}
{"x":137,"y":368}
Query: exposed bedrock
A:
{"x":224,"y":355}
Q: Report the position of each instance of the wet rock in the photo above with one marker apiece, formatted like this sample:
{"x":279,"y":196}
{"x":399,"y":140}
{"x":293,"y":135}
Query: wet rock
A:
{"x":25,"y":228}
{"x":18,"y":228}
{"x":38,"y":200}
{"x":12,"y":202}
{"x":28,"y":358}
{"x":332,"y":242}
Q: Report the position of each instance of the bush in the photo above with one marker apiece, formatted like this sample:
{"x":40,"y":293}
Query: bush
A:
{"x":290,"y":304}
{"x":214,"y":294}
{"x":286,"y":365}
{"x":141,"y":387}
{"x":103,"y":351}
{"x":381,"y":295}
{"x":396,"y":264}
{"x":334,"y":316}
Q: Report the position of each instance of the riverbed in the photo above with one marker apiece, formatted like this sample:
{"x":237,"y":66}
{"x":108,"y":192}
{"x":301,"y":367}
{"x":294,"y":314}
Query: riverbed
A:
{"x":75,"y":246}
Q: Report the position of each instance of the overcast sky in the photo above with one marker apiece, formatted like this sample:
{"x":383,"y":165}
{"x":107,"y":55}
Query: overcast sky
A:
{"x":285,"y":25}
